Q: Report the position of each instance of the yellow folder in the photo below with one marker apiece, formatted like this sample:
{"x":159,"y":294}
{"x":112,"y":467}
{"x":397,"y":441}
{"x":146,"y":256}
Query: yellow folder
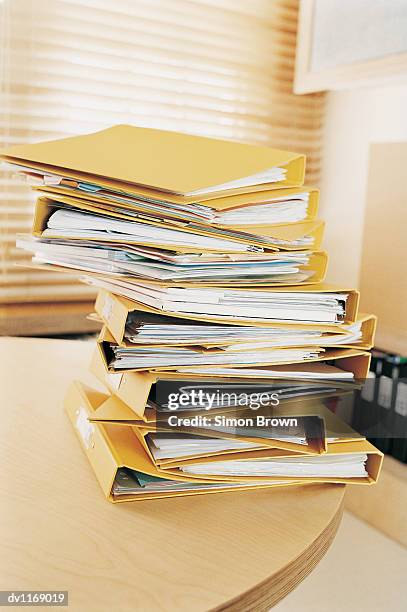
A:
{"x":105,"y":345}
{"x":225,"y":203}
{"x":114,"y":310}
{"x":115,"y":412}
{"x":135,"y":388}
{"x":133,"y":158}
{"x":111,"y":447}
{"x":114,"y":317}
{"x":368,"y":323}
{"x":336,"y":432}
{"x":248,"y":234}
{"x":362,"y":446}
{"x":271,"y":447}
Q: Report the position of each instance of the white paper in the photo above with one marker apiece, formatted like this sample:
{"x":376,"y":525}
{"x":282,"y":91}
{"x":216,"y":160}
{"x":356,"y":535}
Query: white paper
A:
{"x":331,"y":466}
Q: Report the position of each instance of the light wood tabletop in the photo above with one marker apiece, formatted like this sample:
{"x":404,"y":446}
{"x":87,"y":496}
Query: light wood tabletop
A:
{"x":231,"y":551}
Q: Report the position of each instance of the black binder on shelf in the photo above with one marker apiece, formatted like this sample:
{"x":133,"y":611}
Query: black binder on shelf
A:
{"x":366,"y":411}
{"x":390,"y":369}
{"x":399,"y":412}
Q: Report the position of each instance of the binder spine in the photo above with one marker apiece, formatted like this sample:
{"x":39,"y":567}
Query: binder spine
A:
{"x":92,"y":438}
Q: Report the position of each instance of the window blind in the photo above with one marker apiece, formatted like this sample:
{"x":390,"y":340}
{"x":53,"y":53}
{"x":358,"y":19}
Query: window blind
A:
{"x":221,"y":68}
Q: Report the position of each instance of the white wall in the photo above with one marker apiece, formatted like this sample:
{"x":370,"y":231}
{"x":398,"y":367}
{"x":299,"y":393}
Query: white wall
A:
{"x":354,"y":119}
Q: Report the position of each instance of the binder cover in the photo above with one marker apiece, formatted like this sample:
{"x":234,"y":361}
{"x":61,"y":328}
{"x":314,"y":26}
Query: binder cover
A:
{"x":134,"y":158}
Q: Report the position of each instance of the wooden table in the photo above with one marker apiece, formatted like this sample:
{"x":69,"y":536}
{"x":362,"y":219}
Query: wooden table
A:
{"x":234,"y":551}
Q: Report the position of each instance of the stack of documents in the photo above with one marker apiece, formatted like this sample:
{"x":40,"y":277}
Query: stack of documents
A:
{"x":208,"y":262}
{"x":117,"y":262}
{"x":141,"y":204}
{"x":318,"y":326}
{"x":135,"y":460}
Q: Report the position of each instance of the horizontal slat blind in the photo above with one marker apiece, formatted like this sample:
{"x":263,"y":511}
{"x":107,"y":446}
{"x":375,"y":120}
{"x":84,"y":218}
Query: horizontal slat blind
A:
{"x":220,"y":68}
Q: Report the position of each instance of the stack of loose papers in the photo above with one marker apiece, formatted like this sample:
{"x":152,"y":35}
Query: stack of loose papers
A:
{"x":150,"y":358}
{"x":131,"y":482}
{"x":174,"y":445}
{"x":318,"y":372}
{"x":275,"y":268}
{"x":170,"y":446}
{"x":144,"y":328}
{"x":77,"y":225}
